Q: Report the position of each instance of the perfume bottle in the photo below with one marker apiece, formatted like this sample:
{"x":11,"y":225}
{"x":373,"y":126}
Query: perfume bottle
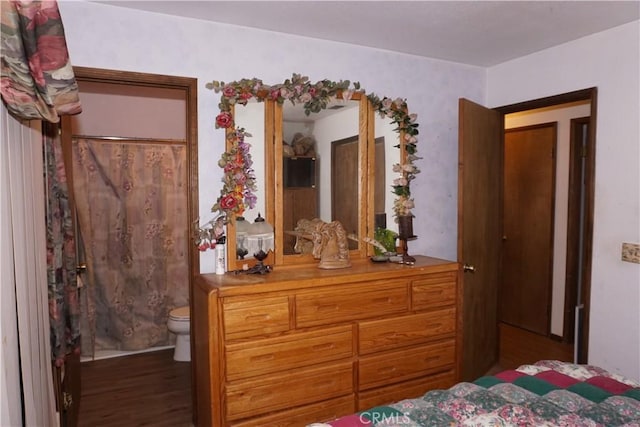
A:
{"x":221,"y":261}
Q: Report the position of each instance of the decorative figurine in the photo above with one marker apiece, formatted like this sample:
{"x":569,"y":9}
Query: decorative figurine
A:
{"x":329,"y":242}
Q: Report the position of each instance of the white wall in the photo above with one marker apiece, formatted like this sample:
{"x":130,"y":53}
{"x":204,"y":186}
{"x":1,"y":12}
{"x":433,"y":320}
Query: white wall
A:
{"x":104,"y":36}
{"x":609,"y":61}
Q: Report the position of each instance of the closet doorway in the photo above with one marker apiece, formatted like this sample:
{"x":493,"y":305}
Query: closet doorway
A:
{"x":544,"y":211}
{"x":131,"y":160}
{"x":481,"y":234}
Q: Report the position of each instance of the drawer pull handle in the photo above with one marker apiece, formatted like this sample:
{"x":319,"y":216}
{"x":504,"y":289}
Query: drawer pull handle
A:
{"x":432,"y":359}
{"x":321,"y":347}
{"x":387,"y":370}
{"x":327,"y":307}
{"x":263,"y":357}
{"x":256,"y":317}
{"x":260,"y":396}
{"x":434,"y":293}
{"x":325,"y":383}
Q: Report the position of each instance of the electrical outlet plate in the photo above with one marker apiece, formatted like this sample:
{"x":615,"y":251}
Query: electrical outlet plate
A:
{"x":631,"y":252}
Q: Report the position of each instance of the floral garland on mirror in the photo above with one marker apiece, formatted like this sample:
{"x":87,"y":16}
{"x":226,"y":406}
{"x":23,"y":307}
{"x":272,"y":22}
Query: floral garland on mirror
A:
{"x":398,"y":112}
{"x":239,"y":181}
{"x":238,"y":191}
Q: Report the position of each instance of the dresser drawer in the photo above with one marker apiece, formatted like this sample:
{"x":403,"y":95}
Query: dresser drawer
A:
{"x":323,"y":411}
{"x":378,"y":370}
{"x":405,"y":390}
{"x":255,"y":316}
{"x":269,"y":355}
{"x":436,"y":290}
{"x":387,"y":334}
{"x":287,"y":390}
{"x":351,"y":302}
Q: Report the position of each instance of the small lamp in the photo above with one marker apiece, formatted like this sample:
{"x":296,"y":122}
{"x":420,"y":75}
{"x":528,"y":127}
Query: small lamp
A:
{"x":260,"y":242}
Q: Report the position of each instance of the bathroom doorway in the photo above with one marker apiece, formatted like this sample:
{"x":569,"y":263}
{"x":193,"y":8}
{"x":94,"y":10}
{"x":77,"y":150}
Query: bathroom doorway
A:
{"x":131,"y":158}
{"x":130,"y":151}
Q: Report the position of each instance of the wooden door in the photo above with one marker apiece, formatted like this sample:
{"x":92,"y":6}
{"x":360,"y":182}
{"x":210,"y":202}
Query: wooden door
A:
{"x":529,"y":193}
{"x":480,"y":153}
{"x":67,"y":381}
{"x":299,"y":203}
{"x":344,"y":185}
{"x":380,"y":187}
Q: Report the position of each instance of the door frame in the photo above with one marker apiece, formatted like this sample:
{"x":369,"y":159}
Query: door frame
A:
{"x":576,"y":156}
{"x":582,"y":341}
{"x":189,"y":86}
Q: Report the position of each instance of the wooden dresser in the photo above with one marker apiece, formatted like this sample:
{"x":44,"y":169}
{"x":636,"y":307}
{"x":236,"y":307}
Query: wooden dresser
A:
{"x":299,"y":345}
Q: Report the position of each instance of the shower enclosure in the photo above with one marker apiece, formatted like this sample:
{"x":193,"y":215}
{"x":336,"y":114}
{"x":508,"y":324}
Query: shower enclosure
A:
{"x":132,"y":156}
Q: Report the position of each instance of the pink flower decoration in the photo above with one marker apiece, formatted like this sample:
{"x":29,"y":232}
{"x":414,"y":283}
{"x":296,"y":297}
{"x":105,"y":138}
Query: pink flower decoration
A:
{"x":229,"y":91}
{"x":228,"y":202}
{"x":224,"y":120}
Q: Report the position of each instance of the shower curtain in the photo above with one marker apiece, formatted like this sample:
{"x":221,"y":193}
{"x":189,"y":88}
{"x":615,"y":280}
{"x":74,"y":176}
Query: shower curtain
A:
{"x":131,"y":200}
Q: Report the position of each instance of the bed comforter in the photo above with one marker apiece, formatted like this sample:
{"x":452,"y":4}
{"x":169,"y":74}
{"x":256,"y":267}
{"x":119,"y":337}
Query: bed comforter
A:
{"x":547,"y":393}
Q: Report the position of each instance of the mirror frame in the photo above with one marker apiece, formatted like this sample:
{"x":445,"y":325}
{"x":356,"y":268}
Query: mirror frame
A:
{"x":314,"y":98}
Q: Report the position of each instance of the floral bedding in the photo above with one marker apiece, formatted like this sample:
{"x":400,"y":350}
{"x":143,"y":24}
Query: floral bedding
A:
{"x":547,"y":393}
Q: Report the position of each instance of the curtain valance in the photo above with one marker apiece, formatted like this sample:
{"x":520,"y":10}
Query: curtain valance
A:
{"x":37,"y":77}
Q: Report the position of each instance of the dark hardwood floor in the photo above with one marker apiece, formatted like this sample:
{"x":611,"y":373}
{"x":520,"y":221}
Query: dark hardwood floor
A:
{"x":148,"y":389}
{"x":521,"y":347}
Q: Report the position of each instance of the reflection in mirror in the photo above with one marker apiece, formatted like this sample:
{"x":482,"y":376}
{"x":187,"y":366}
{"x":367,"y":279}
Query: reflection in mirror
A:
{"x":387,"y":154}
{"x":251,"y":118}
{"x":320,"y":167}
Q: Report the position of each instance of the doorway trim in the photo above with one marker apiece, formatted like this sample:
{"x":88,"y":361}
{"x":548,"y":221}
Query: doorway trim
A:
{"x":189,"y":86}
{"x":590,"y":94}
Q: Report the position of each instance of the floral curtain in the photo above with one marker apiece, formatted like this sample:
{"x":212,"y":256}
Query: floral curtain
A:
{"x":132,"y":209}
{"x":37,"y":79}
{"x":64,"y":309}
{"x":37,"y":83}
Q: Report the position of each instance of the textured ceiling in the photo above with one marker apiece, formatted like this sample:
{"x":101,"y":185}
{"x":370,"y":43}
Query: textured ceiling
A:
{"x":481,"y":33}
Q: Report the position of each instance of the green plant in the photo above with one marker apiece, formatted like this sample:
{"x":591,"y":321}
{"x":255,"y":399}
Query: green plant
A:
{"x":386,"y":238}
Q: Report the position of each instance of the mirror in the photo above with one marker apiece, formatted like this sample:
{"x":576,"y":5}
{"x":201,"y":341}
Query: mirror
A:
{"x":325,"y":150}
{"x":320,"y":170}
{"x":251,"y":118}
{"x":387,"y":154}
{"x":249,"y":115}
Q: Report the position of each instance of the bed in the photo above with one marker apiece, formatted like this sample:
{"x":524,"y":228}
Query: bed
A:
{"x":547,"y":393}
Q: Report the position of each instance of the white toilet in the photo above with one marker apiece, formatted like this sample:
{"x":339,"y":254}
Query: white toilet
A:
{"x":178,"y":323}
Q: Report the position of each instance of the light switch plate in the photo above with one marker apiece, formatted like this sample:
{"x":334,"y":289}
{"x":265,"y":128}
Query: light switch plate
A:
{"x":631,"y":252}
